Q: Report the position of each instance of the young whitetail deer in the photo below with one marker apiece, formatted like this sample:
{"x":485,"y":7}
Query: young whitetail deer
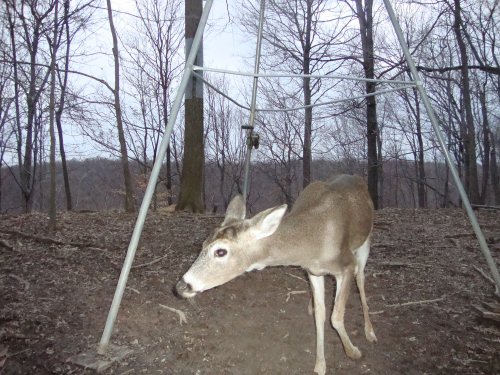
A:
{"x":327,"y":232}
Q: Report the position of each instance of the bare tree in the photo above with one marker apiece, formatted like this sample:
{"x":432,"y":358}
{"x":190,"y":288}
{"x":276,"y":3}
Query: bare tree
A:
{"x":6,"y":105}
{"x":364,"y":13}
{"x":282,"y":142}
{"x":63,"y":83}
{"x":494,"y":170}
{"x":468,"y":131}
{"x":300,"y":36}
{"x":410,"y":123}
{"x":31,"y":28}
{"x":156,"y":66}
{"x":460,"y":62}
{"x":27,"y":23}
{"x":129,"y":202}
{"x":191,"y":190}
{"x":224,"y":146}
{"x":53,"y":42}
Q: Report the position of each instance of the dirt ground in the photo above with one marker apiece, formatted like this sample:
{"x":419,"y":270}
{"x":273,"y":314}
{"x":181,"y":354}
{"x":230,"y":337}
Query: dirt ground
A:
{"x":423,"y":285}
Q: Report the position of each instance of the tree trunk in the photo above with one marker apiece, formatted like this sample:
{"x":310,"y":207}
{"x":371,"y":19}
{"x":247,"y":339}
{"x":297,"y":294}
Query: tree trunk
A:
{"x":127,"y":177}
{"x":2,"y":153}
{"x":17,"y":95}
{"x":52,"y":104}
{"x":365,"y":18}
{"x":27,"y":171}
{"x":60,"y":109}
{"x":495,"y":178}
{"x":222,"y":178}
{"x":421,"y":179}
{"x":446,"y":187}
{"x":307,"y":152}
{"x":486,"y":146}
{"x":170,"y":198}
{"x":191,"y":189}
{"x":469,"y":140}
{"x":168,"y":183}
{"x":380,"y":172}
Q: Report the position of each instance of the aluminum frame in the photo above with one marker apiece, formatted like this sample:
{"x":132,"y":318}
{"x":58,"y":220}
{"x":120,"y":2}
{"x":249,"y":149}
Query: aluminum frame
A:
{"x":190,"y":69}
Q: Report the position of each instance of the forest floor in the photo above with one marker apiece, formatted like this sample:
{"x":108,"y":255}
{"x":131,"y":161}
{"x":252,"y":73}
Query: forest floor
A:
{"x":424,"y":288}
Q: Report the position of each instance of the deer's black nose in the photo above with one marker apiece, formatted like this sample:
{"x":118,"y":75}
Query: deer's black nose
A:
{"x":183,"y":289}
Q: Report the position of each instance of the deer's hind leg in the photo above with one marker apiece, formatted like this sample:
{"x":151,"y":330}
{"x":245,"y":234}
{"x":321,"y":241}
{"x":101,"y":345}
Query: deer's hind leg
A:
{"x":342,"y":294}
{"x":361,"y":255}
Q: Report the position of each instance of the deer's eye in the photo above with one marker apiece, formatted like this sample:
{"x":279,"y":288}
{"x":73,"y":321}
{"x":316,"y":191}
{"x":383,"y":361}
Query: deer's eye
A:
{"x":220,"y":253}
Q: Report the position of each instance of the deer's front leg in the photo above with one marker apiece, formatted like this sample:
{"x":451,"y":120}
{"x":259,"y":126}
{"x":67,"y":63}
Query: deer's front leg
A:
{"x":318,"y":290}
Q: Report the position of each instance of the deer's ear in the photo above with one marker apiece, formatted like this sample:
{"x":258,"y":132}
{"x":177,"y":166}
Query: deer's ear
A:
{"x":265,"y":223}
{"x":236,"y":211}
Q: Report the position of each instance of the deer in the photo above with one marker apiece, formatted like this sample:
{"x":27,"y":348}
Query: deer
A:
{"x":327,"y":232}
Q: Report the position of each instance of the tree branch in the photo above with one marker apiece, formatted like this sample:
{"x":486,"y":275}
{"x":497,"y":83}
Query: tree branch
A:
{"x":484,"y":68}
{"x":4,"y":61}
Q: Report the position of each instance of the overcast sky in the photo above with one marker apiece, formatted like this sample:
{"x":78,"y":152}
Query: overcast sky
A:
{"x":225,"y":47}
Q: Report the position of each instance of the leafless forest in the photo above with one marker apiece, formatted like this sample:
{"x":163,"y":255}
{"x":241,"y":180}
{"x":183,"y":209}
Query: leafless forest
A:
{"x":97,"y":185}
{"x":65,"y":98}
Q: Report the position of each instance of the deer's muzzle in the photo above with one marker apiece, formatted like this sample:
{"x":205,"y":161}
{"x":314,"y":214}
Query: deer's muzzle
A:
{"x":184,"y":290}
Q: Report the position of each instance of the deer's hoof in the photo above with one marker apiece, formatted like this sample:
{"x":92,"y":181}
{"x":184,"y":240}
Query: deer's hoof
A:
{"x":354,"y":353}
{"x":320,"y":367}
{"x":370,"y":336}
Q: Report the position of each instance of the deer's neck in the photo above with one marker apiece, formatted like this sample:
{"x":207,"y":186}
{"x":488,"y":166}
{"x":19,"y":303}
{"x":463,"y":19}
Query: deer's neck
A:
{"x":283,"y":248}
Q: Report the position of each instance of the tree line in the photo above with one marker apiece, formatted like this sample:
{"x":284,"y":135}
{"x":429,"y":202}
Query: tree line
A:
{"x":48,"y":95}
{"x":97,"y":185}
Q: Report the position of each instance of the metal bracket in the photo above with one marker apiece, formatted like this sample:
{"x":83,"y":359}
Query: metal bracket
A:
{"x":253,"y":140}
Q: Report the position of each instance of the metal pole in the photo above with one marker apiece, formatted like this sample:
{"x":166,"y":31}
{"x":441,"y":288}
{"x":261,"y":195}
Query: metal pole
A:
{"x":134,"y":241}
{"x":425,"y":99}
{"x":251,"y":121}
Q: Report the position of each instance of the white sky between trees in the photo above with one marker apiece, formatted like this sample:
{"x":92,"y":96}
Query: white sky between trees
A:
{"x":225,"y":47}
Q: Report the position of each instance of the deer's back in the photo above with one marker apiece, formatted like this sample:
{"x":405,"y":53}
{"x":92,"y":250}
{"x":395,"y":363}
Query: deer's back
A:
{"x":338,"y":212}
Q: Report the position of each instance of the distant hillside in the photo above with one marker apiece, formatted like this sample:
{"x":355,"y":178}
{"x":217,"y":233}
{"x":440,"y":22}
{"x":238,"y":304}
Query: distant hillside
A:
{"x":96,"y":184}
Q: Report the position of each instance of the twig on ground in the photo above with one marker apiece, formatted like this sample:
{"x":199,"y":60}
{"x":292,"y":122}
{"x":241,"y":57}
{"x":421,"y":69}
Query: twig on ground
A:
{"x":33,"y":237}
{"x":6,"y":244}
{"x":105,"y":251}
{"x":484,"y":274}
{"x":493,"y":306}
{"x":485,"y":207}
{"x":153,"y":261}
{"x":384,"y":225}
{"x":18,"y":352}
{"x":486,"y":314}
{"x":182,"y":315}
{"x":455,"y":242}
{"x":297,"y":277}
{"x":422,"y":302}
{"x":401,"y":264}
{"x":384,"y":245}
{"x":460,"y":235}
{"x":51,"y":241}
{"x":487,"y":277}
{"x":133,"y":290}
{"x":289,"y":294}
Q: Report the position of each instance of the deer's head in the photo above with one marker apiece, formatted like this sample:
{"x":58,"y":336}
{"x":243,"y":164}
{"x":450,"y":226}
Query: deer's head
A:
{"x":232,"y":249}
